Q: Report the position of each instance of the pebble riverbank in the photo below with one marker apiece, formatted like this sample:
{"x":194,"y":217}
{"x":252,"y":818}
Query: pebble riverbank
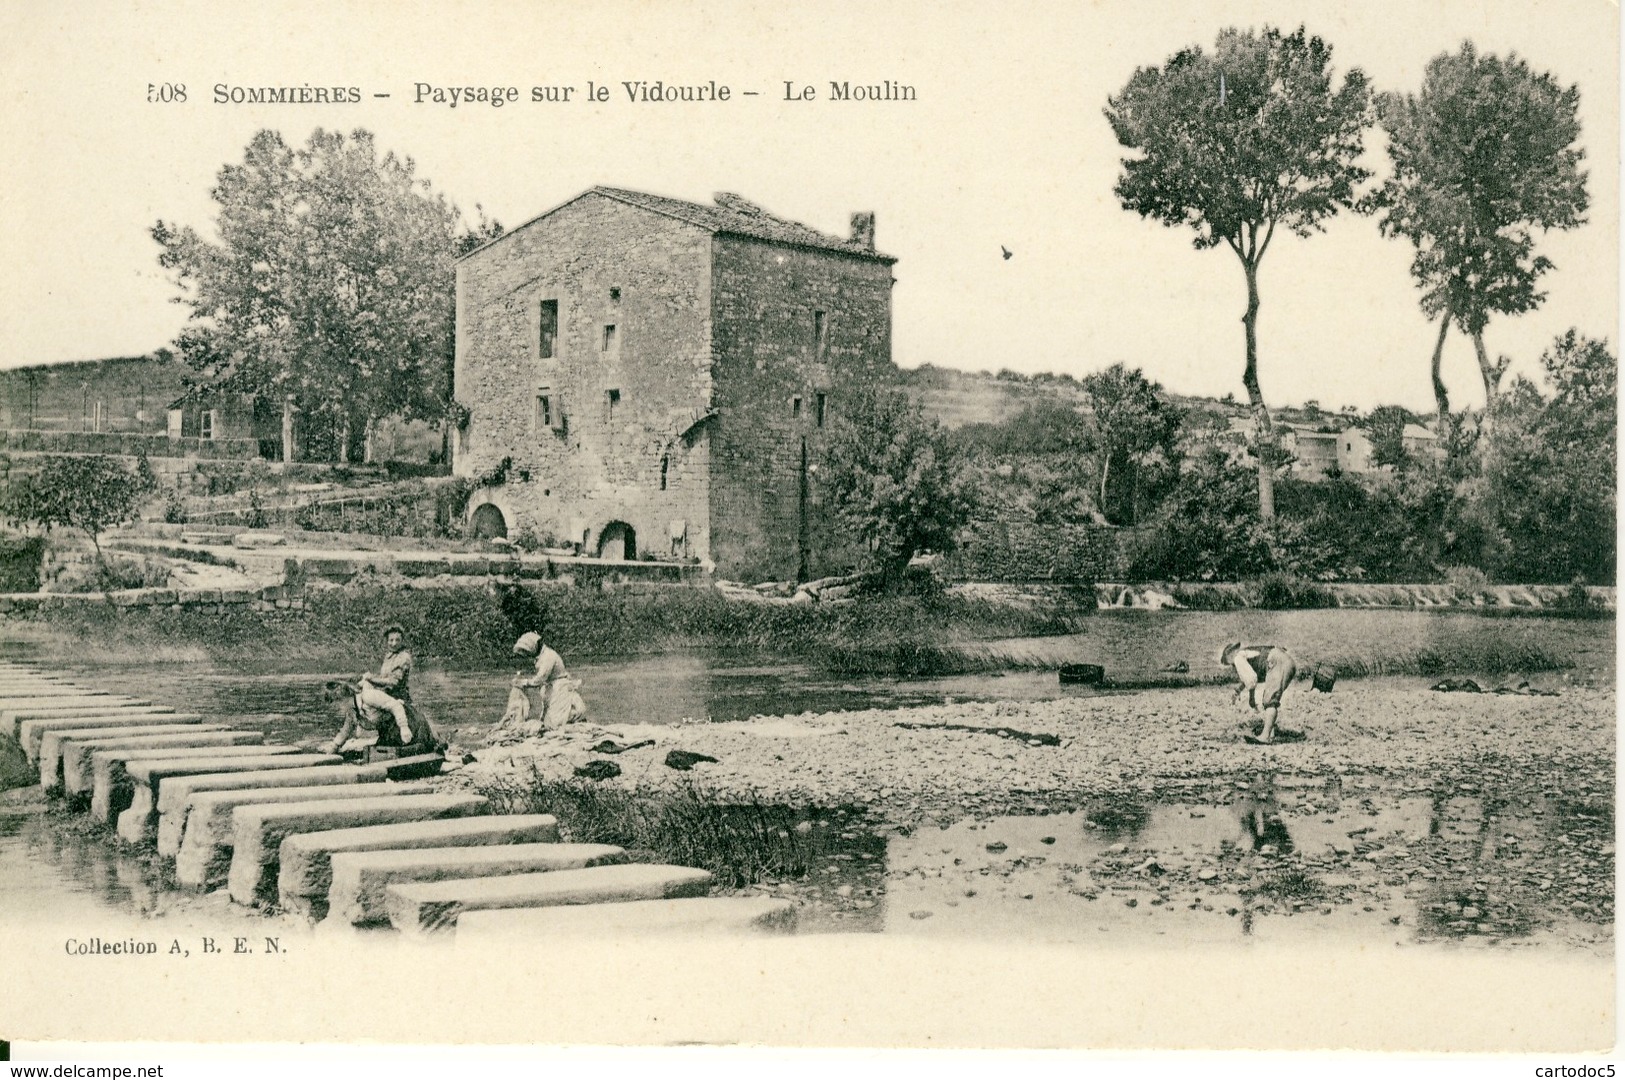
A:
{"x":1519,"y":841}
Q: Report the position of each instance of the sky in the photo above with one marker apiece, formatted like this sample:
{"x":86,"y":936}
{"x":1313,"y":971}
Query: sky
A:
{"x":1005,"y":146}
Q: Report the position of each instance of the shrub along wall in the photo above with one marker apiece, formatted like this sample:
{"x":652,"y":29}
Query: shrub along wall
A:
{"x":1029,"y":551}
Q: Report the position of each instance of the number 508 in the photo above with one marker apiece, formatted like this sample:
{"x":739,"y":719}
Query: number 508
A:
{"x":166,"y":92}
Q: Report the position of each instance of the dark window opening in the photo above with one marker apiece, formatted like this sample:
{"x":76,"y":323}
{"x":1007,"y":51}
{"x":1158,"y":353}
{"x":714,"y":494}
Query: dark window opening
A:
{"x":609,"y":337}
{"x":820,"y":333}
{"x":665,"y":464}
{"x":614,"y":399}
{"x":795,"y":407}
{"x":544,"y":411}
{"x":822,"y":405}
{"x":615,"y":293}
{"x":547,"y":334}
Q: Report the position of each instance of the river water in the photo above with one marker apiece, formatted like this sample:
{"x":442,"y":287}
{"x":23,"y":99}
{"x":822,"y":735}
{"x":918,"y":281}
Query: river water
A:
{"x":945,"y":882}
{"x":285,"y":698}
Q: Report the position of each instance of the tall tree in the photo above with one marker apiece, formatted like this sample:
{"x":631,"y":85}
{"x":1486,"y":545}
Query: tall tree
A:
{"x":1136,"y":427}
{"x":329,"y":287}
{"x":1482,"y":157}
{"x":1235,"y":144}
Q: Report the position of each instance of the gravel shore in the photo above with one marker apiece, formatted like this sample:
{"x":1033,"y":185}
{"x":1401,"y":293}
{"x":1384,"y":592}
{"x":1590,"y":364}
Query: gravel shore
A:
{"x":1404,"y":816}
{"x":1107,"y":744}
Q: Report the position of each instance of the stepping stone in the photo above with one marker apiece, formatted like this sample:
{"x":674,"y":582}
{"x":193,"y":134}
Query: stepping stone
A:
{"x":55,"y":746}
{"x":28,"y":728}
{"x":204,"y":850}
{"x":110,"y":797}
{"x":431,"y":907}
{"x":306,"y":871}
{"x":258,"y":831}
{"x":106,"y":773}
{"x":694,"y":915}
{"x":177,"y":791}
{"x":79,"y":759}
{"x":360,"y":878}
{"x":47,"y":698}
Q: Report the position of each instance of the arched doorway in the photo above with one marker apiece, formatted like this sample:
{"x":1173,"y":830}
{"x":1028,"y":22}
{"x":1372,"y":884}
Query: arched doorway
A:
{"x":618,"y":541}
{"x":488,"y":522}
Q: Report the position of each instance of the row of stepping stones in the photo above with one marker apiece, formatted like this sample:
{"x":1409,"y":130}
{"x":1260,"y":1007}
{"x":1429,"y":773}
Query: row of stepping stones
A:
{"x":347,"y":845}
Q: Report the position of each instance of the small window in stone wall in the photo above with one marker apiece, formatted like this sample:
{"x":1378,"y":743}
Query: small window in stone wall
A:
{"x":665,"y":465}
{"x":208,"y":423}
{"x":795,"y":407}
{"x":615,"y":294}
{"x":544,"y":412}
{"x":820,"y":334}
{"x":822,"y":407}
{"x":548,"y":333}
{"x":609,"y":337}
{"x":612,"y":399}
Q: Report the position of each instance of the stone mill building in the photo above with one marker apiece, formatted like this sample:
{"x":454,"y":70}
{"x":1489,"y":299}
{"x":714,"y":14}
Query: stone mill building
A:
{"x":645,"y":376}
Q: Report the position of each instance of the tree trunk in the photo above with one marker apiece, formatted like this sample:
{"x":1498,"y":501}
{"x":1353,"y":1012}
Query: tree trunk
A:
{"x":1492,"y":377}
{"x":287,"y":429}
{"x":344,"y":438}
{"x":1440,"y":394}
{"x":1105,"y":469}
{"x":1264,"y":432}
{"x":369,"y":438}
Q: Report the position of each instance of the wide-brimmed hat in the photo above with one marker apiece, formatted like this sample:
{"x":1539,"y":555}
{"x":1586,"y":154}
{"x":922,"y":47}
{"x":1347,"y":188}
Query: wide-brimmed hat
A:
{"x":528,"y":643}
{"x":1225,"y":653}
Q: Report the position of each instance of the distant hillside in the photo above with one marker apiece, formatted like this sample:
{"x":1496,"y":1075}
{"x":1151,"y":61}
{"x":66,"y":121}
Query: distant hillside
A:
{"x":134,"y":392}
{"x":959,"y":398}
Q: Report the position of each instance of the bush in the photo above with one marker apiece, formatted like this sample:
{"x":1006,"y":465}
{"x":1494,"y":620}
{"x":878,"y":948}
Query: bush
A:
{"x":1278,"y":592}
{"x":1468,"y":581}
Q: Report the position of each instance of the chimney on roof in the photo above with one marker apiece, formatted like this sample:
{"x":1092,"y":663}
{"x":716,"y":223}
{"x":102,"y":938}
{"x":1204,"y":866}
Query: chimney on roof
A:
{"x":737,"y":203}
{"x":863,"y":229}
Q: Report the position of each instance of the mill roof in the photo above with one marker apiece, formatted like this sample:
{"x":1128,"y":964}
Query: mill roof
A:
{"x":729,"y":215}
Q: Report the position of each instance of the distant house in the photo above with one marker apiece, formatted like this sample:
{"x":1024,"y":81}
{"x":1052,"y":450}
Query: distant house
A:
{"x":216,"y":416}
{"x":1354,"y":450}
{"x":1315,"y":451}
{"x":642,"y":374}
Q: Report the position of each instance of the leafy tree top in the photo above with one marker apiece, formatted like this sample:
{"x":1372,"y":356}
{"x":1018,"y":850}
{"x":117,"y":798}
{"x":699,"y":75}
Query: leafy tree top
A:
{"x":330,"y":280}
{"x":1253,"y":135}
{"x":1484,"y":155}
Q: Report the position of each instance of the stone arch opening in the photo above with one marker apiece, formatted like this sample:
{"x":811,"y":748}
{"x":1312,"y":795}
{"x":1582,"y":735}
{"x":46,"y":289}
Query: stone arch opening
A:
{"x":618,"y":541}
{"x":488,"y":522}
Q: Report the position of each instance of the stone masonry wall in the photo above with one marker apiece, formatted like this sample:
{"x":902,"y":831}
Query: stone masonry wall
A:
{"x":597,"y":462}
{"x":766,"y":354}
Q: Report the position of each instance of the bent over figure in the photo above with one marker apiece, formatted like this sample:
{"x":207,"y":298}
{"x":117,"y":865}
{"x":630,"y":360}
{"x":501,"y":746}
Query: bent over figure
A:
{"x":1264,"y":673}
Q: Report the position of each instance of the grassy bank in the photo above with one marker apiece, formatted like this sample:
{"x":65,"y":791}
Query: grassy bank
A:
{"x":742,"y":843}
{"x":476,"y":627}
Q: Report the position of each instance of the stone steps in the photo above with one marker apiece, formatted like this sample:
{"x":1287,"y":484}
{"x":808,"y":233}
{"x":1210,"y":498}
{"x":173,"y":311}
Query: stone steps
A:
{"x":305,"y":873}
{"x":150,"y":774}
{"x":360,"y":878}
{"x":203,"y":852}
{"x":76,"y":757}
{"x":258,"y":831}
{"x":27,"y":727}
{"x":51,"y":751}
{"x":434,"y":907}
{"x":175,"y":793}
{"x":693,"y":915}
{"x":112,"y":790}
{"x":361,"y":844}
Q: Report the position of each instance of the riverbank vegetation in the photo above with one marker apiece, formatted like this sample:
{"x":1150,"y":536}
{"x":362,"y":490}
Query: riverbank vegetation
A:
{"x":741,"y":842}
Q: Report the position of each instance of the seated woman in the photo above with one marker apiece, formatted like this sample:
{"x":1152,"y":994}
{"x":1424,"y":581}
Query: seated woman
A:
{"x":355,"y":715}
